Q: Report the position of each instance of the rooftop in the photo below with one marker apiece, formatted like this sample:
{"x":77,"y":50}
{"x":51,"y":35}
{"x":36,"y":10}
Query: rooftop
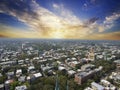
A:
{"x":117,"y":61}
{"x":37,"y":75}
{"x":23,"y":87}
{"x":82,"y":74}
{"x":99,"y":87}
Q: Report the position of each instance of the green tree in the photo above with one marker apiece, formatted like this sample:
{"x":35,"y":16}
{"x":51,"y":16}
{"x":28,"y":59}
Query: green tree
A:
{"x":13,"y":85}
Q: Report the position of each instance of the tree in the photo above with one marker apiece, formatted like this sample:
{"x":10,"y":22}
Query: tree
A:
{"x":24,"y":70}
{"x":48,"y":87}
{"x":2,"y":79}
{"x":13,"y":85}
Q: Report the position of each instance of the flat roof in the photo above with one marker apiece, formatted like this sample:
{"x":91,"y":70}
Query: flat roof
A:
{"x":37,"y":74}
{"x":98,"y":86}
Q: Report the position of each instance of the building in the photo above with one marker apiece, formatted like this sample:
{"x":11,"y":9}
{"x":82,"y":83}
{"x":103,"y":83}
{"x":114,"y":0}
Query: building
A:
{"x":86,"y":74}
{"x":82,"y":77}
{"x":31,"y":69}
{"x":23,"y":87}
{"x":18,"y":72}
{"x":37,"y":75}
{"x":61,"y":68}
{"x":115,"y":76}
{"x":7,"y":84}
{"x":87,"y":66}
{"x":105,"y":83}
{"x":117,"y":62}
{"x":10,"y":75}
{"x":108,"y":85}
{"x":91,"y":55}
{"x":97,"y":86}
{"x":73,"y":63}
{"x":71,"y":72}
{"x":22,"y":78}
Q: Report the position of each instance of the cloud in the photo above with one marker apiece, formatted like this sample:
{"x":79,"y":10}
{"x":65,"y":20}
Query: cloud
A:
{"x":12,"y":32}
{"x":46,"y":24}
{"x":105,"y":36}
{"x":36,"y":17}
{"x":109,"y":21}
{"x":55,"y":6}
{"x":2,"y":36}
{"x":92,"y":20}
{"x":67,"y":15}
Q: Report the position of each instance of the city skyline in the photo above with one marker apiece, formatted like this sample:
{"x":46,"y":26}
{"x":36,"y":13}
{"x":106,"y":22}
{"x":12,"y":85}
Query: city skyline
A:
{"x":60,"y":19}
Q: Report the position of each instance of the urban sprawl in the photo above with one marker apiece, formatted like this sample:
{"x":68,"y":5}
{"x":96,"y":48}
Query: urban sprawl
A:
{"x":59,"y":65}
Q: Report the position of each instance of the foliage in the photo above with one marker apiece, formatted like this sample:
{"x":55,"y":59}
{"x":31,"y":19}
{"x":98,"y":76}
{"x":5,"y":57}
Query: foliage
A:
{"x":14,"y":84}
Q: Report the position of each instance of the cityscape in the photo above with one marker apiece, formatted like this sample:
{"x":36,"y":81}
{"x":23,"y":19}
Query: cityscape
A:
{"x":59,"y":44}
{"x":35,"y":64}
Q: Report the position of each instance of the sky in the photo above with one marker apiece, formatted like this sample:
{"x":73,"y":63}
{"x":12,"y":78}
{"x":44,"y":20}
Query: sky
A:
{"x":60,"y":19}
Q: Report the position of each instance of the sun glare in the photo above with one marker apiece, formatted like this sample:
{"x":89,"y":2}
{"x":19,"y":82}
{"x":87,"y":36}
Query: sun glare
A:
{"x":58,"y":34}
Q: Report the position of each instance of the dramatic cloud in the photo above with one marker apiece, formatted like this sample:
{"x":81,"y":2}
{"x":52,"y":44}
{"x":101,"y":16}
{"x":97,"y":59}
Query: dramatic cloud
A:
{"x":66,"y":14}
{"x":109,"y":21}
{"x":46,"y":24}
{"x":93,"y":20}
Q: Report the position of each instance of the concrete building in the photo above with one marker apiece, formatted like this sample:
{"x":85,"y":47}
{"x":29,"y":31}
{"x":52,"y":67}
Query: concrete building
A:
{"x":82,"y":77}
{"x":23,"y":87}
{"x":91,"y":55}
{"x":117,"y":62}
{"x":86,"y":74}
{"x":97,"y":86}
{"x":18,"y":72}
{"x":87,"y":66}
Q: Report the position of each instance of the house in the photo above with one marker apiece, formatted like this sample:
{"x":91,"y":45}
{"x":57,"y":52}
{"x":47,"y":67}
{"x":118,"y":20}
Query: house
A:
{"x":117,"y":62}
{"x":23,"y":87}
{"x":97,"y":86}
{"x":27,"y":61}
{"x":31,"y":69}
{"x":73,"y":63}
{"x":33,"y":77}
{"x":44,"y":68}
{"x":7,"y":84}
{"x":115,"y":76}
{"x":61,"y":68}
{"x":71,"y":72}
{"x":20,"y":62}
{"x":18,"y":72}
{"x":105,"y":82}
{"x":108,"y":85}
{"x":10,"y":75}
{"x":37,"y":75}
{"x":28,"y":78}
{"x":22,"y":78}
